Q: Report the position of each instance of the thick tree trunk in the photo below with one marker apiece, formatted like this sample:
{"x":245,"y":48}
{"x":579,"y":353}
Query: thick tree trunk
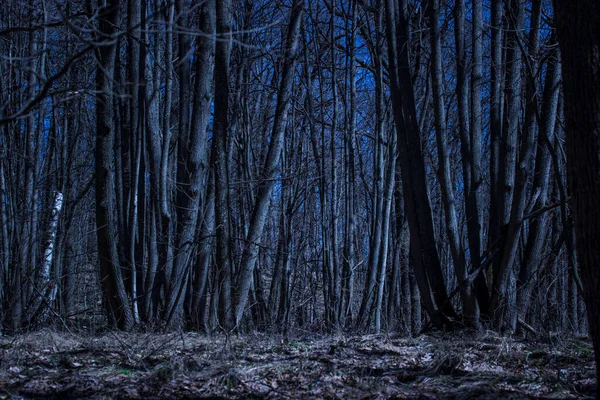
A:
{"x":578,"y":32}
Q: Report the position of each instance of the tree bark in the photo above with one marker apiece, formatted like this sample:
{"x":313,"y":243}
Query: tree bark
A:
{"x":578,"y":32}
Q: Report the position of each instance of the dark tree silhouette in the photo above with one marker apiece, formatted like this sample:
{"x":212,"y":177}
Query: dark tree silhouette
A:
{"x":578,"y":30}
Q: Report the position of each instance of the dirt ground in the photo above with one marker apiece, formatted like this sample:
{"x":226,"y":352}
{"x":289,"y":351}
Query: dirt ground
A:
{"x":54,"y":365}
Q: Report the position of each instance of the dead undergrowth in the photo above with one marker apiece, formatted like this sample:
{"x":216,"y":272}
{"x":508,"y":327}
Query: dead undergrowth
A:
{"x":53,"y":365}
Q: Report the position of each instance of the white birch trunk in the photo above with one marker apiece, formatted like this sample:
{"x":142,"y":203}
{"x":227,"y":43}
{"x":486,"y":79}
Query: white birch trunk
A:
{"x":49,"y":247}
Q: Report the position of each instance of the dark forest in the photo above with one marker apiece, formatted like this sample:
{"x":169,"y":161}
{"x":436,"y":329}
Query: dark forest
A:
{"x":400,"y":190}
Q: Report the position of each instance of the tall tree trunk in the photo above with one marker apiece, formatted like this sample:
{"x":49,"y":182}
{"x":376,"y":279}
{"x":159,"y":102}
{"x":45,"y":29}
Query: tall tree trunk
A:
{"x":350,"y":227}
{"x":510,"y":194}
{"x":165,"y":259}
{"x":376,"y":228}
{"x":190,"y":171}
{"x":219,"y":158}
{"x":496,"y":101}
{"x":427,"y":266}
{"x":113,"y":286}
{"x":134,"y":135}
{"x":469,"y":304}
{"x":157,"y":140}
{"x":578,"y":32}
{"x":336,"y":293}
{"x":474,"y":201}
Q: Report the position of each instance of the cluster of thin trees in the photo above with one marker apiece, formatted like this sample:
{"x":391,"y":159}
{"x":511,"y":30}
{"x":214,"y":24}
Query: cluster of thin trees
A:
{"x":292,"y":164}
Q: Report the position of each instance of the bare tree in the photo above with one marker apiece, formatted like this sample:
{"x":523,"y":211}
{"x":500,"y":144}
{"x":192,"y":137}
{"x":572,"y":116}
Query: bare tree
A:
{"x":114,"y":292}
{"x":191,"y":154}
{"x":469,"y":304}
{"x":269,"y":170}
{"x":427,"y":267}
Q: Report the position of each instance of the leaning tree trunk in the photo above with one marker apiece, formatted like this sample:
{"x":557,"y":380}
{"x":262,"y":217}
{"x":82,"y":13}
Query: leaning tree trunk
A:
{"x":579,"y":40}
{"x":427,"y":266}
{"x":269,"y":171}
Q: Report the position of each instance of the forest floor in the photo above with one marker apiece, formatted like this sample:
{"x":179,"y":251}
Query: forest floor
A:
{"x":54,"y":365}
